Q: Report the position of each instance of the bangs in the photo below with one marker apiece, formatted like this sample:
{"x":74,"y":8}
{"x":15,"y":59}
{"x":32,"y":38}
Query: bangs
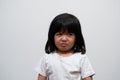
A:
{"x":66,"y":26}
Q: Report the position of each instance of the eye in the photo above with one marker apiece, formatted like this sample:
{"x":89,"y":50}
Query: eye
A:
{"x":58,"y":34}
{"x":71,"y":34}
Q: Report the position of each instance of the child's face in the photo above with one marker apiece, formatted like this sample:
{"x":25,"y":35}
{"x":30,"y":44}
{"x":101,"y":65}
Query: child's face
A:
{"x":64,"y":41}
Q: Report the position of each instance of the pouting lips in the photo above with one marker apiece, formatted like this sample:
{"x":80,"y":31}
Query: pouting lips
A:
{"x":64,"y":44}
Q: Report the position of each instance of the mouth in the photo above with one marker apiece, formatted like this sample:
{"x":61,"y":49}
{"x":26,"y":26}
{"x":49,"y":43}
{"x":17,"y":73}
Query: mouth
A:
{"x":64,"y":44}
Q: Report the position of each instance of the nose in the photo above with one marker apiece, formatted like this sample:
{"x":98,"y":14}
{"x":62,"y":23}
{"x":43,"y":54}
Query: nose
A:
{"x":64,"y":38}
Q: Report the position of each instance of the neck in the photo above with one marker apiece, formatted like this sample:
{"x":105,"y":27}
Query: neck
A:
{"x":64,"y":53}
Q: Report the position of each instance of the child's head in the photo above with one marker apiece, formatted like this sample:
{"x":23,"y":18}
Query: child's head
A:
{"x":65,"y":23}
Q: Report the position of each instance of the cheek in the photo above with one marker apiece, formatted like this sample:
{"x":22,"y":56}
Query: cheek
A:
{"x":73,"y":42}
{"x":56,"y":40}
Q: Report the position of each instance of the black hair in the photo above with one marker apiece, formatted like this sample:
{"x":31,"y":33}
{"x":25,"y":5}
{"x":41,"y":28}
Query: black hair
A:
{"x":63,"y":22}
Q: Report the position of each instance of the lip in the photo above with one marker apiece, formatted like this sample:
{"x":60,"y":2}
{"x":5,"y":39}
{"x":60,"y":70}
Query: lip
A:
{"x":64,"y":44}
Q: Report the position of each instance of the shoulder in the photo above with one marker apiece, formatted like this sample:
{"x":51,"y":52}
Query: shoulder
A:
{"x":81,"y":55}
{"x":47,"y":56}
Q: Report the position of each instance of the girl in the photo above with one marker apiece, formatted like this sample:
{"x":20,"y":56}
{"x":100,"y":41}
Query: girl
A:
{"x":65,"y":48}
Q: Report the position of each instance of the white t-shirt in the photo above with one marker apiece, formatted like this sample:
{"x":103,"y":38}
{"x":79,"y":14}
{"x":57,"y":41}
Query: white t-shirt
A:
{"x":57,"y":67}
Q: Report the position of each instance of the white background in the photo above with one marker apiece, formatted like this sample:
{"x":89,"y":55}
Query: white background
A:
{"x":23,"y":33}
